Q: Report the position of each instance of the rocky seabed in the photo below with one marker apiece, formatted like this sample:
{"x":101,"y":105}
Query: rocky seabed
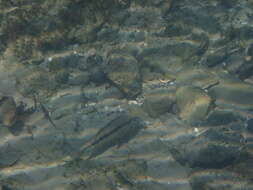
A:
{"x":126,"y":95}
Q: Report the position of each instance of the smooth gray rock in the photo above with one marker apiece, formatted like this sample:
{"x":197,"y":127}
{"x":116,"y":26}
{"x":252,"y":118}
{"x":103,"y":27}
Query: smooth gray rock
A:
{"x":215,"y":148}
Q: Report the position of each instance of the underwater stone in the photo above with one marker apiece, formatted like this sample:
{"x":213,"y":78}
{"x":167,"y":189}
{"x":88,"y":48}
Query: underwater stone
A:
{"x":123,"y":72}
{"x":220,"y":117}
{"x":233,"y":92}
{"x":79,"y":79}
{"x":215,"y":148}
{"x":216,"y":58}
{"x":7,"y":110}
{"x":62,"y":77}
{"x":198,"y":77}
{"x":8,"y":156}
{"x":193,"y":103}
{"x":97,"y":75}
{"x":217,"y":180}
{"x":158,"y":104}
{"x":249,"y":125}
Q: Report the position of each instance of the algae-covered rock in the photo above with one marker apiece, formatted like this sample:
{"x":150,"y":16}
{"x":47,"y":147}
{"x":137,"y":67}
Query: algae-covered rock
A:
{"x":249,"y":125}
{"x":193,"y":103}
{"x":222,"y":117}
{"x":215,"y":148}
{"x":158,"y":103}
{"x":7,"y":84}
{"x":216,"y":58}
{"x":245,"y":168}
{"x":123,"y":72}
{"x":164,"y":55}
{"x":233,"y":92}
{"x":198,"y":77}
{"x":79,"y":79}
{"x":9,"y":156}
{"x":35,"y":80}
{"x":7,"y":110}
{"x":218,"y":180}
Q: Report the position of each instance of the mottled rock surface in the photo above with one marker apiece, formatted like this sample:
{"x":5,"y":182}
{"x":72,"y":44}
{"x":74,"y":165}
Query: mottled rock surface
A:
{"x":193,"y":103}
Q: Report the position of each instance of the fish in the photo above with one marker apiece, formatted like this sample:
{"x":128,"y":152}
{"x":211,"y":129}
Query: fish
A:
{"x":116,"y":133}
{"x":44,"y":110}
{"x":47,"y":115}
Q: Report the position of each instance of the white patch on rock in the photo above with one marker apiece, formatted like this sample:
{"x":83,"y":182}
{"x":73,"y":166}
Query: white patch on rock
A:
{"x":50,"y":59}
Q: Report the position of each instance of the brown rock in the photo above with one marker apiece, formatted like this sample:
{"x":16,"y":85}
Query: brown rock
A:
{"x":123,"y":72}
{"x":194,"y":103}
{"x":8,"y":110}
{"x":158,"y":104}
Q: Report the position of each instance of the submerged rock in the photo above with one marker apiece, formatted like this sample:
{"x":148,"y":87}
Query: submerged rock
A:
{"x":7,"y":84}
{"x":158,"y":104}
{"x":218,"y":180}
{"x":221,"y":117}
{"x":123,"y":72}
{"x":5,"y":187}
{"x":249,"y":125}
{"x":9,"y":156}
{"x":198,"y":77}
{"x":215,"y":148}
{"x":233,"y":92}
{"x":193,"y":103}
{"x":7,"y":110}
{"x":13,"y":115}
